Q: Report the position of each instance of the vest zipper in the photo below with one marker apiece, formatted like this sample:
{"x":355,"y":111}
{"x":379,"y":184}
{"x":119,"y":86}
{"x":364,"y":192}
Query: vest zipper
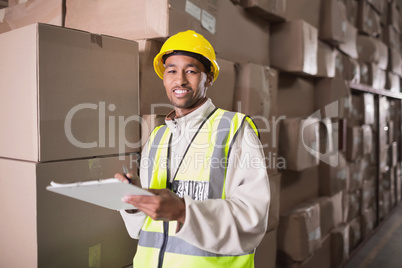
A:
{"x":165,"y":239}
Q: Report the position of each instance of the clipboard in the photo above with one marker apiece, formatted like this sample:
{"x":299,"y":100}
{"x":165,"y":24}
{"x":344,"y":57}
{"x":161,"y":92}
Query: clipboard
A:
{"x":105,"y":193}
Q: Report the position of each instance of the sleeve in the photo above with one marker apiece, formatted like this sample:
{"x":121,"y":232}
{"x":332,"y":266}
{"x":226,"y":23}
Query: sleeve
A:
{"x":237,"y":224}
{"x":135,"y":221}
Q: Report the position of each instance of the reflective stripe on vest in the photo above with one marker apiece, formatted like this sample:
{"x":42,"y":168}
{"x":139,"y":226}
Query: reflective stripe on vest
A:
{"x":201,"y":175}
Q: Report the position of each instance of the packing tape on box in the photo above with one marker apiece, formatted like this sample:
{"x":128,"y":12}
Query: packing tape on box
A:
{"x":95,"y":168}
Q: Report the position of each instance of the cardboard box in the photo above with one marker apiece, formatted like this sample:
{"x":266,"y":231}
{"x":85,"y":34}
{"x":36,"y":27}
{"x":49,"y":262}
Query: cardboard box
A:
{"x":305,"y":10}
{"x":142,"y":20}
{"x":291,"y":183}
{"x":349,"y":46}
{"x":241,"y":36}
{"x":332,"y":97}
{"x":367,"y":195}
{"x":332,"y":28}
{"x":372,"y":76}
{"x":269,"y":137}
{"x":293,"y":90}
{"x":299,"y":143}
{"x":265,"y":254}
{"x":29,"y":12}
{"x":372,"y":50}
{"x":339,"y":245}
{"x":330,"y":212}
{"x":67,"y":94}
{"x":352,"y":70}
{"x":273,"y":217}
{"x":153,"y":94}
{"x":299,"y":234}
{"x":394,"y":61}
{"x":256,"y":90}
{"x":393,"y":15}
{"x":53,"y":230}
{"x":354,"y":208}
{"x":293,"y":47}
{"x":321,"y":258}
{"x":222,"y":91}
{"x":355,"y":175}
{"x":362,"y":110}
{"x":351,"y":10}
{"x":333,"y":178}
{"x":367,"y":140}
{"x":355,"y":235}
{"x":272,"y":10}
{"x":367,"y":222}
{"x":340,"y":67}
{"x":391,"y":37}
{"x":368,"y":20}
{"x":378,"y":5}
{"x":326,"y":56}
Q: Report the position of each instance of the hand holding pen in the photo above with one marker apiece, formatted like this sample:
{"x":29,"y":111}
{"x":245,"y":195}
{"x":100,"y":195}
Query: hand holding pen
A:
{"x":128,"y":177}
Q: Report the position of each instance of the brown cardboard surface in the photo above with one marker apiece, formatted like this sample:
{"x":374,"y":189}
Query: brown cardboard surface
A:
{"x":297,"y":188}
{"x":256,"y":90}
{"x":354,"y":144}
{"x":272,"y":10}
{"x":372,"y":50}
{"x":352,"y":70}
{"x":339,"y":245}
{"x":299,"y":143}
{"x":394,"y":61}
{"x":29,"y":12}
{"x":349,"y":47}
{"x":368,"y":20}
{"x":368,"y":195}
{"x":351,"y":10}
{"x":354,"y":208}
{"x":70,"y":107}
{"x":391,"y":37}
{"x":321,"y":258}
{"x":295,"y":96}
{"x":293,"y":47}
{"x":265,"y":254}
{"x":333,"y":178}
{"x":241,"y":36}
{"x":368,"y":222}
{"x":332,"y":28}
{"x":306,"y":10}
{"x":326,"y":56}
{"x":57,"y":231}
{"x":392,"y":82}
{"x":299,"y":234}
{"x":355,"y":235}
{"x":332,"y":97}
{"x":141,"y":20}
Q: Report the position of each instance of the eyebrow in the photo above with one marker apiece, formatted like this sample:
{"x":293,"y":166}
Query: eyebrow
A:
{"x":188,"y":65}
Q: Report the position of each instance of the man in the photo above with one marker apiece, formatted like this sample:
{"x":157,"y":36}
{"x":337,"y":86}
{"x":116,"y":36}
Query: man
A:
{"x":205,"y":168}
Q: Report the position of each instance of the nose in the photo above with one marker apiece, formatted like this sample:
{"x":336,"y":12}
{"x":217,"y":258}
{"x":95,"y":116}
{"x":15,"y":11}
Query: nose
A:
{"x":181,"y":78}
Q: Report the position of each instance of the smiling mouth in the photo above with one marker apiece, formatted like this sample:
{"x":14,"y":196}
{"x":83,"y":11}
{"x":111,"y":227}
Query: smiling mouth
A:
{"x":179,"y":92}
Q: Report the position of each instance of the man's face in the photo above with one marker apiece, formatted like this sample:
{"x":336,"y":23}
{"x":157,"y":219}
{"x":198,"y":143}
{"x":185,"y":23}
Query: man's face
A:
{"x":185,"y":81}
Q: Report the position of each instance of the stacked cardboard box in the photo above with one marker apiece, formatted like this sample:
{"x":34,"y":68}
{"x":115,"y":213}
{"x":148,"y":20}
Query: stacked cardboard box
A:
{"x":62,"y":125}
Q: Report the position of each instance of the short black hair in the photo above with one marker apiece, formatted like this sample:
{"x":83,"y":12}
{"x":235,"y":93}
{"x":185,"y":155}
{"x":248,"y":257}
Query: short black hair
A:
{"x":206,"y":62}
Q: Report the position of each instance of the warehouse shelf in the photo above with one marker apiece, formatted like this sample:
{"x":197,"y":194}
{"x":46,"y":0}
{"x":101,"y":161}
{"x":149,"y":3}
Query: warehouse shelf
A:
{"x":369,"y":89}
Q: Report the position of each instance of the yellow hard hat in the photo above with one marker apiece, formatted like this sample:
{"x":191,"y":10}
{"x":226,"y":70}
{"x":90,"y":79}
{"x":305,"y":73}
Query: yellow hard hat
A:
{"x":189,"y":41}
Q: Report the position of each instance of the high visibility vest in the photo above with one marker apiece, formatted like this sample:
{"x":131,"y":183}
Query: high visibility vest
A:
{"x":201,"y":177}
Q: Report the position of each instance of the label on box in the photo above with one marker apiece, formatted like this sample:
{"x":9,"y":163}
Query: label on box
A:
{"x":193,"y":10}
{"x":208,"y":22}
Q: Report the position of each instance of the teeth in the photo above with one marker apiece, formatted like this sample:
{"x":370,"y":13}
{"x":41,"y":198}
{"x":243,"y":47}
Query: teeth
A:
{"x":180,"y":91}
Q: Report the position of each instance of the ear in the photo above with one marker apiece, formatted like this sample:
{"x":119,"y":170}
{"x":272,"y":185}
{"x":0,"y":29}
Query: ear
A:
{"x":210,"y":79}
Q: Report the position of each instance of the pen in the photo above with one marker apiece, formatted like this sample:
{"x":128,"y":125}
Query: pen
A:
{"x":125,"y":172}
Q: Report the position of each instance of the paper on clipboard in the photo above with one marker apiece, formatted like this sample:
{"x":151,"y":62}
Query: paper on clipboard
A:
{"x":105,"y":193}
